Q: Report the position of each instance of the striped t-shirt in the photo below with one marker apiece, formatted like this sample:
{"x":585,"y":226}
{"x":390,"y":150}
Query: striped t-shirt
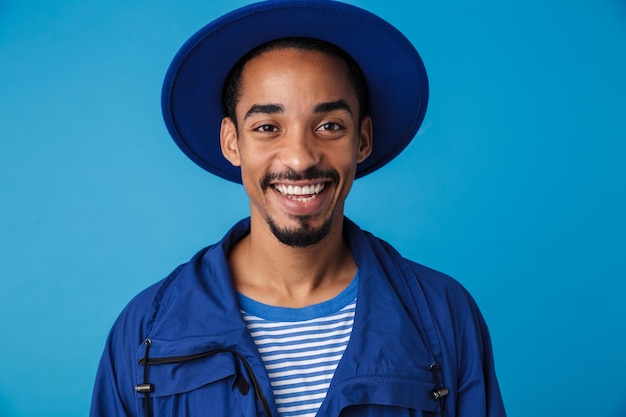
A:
{"x":301,"y":347}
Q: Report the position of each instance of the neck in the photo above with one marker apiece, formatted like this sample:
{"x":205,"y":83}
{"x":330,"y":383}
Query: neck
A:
{"x":273,"y":273}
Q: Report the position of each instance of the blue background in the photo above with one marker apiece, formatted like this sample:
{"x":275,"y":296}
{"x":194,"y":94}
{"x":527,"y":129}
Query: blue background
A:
{"x":514,"y":185}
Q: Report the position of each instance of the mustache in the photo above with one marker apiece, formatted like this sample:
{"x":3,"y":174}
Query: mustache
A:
{"x":310,"y":174}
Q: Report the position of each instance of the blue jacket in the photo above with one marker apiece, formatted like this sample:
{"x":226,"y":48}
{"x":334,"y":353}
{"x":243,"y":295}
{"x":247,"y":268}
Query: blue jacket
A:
{"x":181,"y":348}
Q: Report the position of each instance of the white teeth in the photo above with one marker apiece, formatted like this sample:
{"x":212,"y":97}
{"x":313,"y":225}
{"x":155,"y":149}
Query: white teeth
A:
{"x":300,"y":193}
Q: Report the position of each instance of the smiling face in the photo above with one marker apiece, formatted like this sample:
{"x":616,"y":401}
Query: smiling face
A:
{"x":297,"y":140}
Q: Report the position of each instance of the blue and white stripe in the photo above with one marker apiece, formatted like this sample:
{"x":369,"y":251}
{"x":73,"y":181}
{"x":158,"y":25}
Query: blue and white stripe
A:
{"x":301,"y":347}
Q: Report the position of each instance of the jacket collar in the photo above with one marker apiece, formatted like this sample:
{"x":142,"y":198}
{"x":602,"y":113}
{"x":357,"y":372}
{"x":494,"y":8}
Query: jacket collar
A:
{"x":387,"y":359}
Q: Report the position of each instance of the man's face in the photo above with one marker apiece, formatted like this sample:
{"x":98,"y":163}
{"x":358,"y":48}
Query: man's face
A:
{"x":298,"y":141}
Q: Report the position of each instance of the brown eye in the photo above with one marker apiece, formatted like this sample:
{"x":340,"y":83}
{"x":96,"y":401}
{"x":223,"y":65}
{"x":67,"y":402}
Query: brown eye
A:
{"x":330,"y":126}
{"x":266,"y":128}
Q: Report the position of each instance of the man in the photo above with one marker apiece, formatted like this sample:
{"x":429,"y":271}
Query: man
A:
{"x":297,"y":312}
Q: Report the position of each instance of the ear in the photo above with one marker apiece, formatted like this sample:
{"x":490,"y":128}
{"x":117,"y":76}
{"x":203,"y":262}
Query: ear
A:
{"x":365,"y":139}
{"x":228,"y":141}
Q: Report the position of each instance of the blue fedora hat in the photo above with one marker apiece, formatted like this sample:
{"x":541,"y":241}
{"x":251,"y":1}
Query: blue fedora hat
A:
{"x":395,"y":74}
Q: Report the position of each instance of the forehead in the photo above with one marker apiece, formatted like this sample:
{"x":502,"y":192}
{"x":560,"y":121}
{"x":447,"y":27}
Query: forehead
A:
{"x":290,"y":57}
{"x":293,"y":70}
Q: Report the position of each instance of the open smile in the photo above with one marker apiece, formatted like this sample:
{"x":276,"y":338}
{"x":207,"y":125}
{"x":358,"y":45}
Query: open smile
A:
{"x":304,"y":193}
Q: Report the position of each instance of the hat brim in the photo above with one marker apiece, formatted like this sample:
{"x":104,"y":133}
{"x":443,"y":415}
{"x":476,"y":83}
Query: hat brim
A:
{"x":395,"y":74}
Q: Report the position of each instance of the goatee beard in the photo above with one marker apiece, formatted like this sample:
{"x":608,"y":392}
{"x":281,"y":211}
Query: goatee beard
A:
{"x":302,"y":236}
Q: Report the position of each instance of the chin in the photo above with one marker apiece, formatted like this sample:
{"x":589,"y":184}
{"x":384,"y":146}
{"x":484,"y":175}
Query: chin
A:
{"x":302,"y":235}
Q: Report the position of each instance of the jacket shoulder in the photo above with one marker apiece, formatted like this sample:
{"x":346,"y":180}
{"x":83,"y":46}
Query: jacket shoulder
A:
{"x":434,"y":283}
{"x":435,"y":280}
{"x":444,"y":293}
{"x":135,"y":319}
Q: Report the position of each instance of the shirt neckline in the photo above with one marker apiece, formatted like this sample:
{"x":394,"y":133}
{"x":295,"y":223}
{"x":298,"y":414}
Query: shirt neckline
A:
{"x":314,"y":311}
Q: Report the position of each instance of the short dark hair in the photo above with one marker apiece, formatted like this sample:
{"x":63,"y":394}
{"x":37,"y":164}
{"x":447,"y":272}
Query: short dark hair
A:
{"x":231,"y":91}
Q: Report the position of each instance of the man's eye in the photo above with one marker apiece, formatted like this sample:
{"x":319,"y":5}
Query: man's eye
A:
{"x":330,"y":126}
{"x":266,"y":128}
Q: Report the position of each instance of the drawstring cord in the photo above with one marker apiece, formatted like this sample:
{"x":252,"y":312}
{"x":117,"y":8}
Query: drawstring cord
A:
{"x":146,"y":387}
{"x":440,"y":391}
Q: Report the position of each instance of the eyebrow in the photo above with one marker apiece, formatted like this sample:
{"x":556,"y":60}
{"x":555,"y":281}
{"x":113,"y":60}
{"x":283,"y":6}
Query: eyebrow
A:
{"x":332,"y":106}
{"x":326,"y":107}
{"x":264,"y":108}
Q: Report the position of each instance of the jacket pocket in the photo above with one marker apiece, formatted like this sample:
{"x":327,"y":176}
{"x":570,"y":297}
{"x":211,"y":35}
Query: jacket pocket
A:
{"x":166,"y":368}
{"x":383,"y":396}
{"x":188,"y":379}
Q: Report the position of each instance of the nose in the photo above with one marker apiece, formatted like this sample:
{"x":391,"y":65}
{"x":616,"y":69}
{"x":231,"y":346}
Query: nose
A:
{"x":299,"y":151}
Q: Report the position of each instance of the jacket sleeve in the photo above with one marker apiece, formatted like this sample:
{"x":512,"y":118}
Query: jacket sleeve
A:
{"x":114,"y":389}
{"x":477,"y":382}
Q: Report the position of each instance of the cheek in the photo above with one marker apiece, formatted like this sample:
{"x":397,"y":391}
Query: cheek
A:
{"x":251,"y":184}
{"x":253,"y":171}
{"x":249,"y":162}
{"x":347,"y":160}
